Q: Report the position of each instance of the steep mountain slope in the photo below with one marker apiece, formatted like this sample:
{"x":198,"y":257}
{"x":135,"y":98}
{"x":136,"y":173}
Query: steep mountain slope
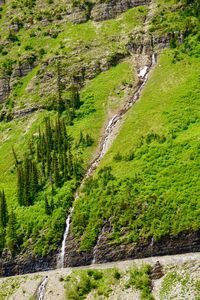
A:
{"x":66,"y":71}
{"x":143,"y":199}
{"x":145,"y":191}
{"x":81,"y":72}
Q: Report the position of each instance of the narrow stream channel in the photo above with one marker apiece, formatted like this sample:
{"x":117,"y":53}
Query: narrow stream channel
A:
{"x":41,"y":289}
{"x":109,"y":134}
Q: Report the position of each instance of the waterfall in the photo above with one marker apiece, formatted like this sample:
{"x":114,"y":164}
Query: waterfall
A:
{"x":61,"y":255}
{"x":143,"y":76}
{"x":41,"y":289}
{"x":153,"y":59}
{"x":103,"y":230}
{"x":143,"y":72}
{"x":94,"y":255}
{"x":113,"y":123}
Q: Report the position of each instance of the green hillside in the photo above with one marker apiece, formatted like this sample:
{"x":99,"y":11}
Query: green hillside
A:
{"x":65,"y":70}
{"x":148,"y":182}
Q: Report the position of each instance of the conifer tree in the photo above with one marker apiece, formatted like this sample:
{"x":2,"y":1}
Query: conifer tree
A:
{"x":56,"y":170}
{"x":20,"y":187}
{"x":27,"y":181}
{"x":60,"y":102}
{"x":47,"y":206}
{"x":75,"y":97}
{"x":15,"y":156}
{"x":11,"y":235}
{"x":3,"y":209}
{"x":49,"y":161}
{"x":2,"y":239}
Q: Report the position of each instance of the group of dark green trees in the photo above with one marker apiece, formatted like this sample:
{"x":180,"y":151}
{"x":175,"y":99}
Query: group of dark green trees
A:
{"x":50,"y":160}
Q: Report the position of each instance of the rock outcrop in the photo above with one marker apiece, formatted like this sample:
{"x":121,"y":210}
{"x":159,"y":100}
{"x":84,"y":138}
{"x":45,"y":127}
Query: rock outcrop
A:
{"x":22,"y":68}
{"x":112,"y":8}
{"x":157,"y":271}
{"x":106,"y":251}
{"x":26,"y":264}
{"x":4,"y":88}
{"x":184,"y":242}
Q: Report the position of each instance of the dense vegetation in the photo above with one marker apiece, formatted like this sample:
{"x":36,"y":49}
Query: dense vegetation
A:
{"x":50,"y":159}
{"x":79,"y":284}
{"x":74,"y":76}
{"x":50,"y":162}
{"x":147,"y":184}
{"x":43,"y":65}
{"x":38,"y":226}
{"x":102,"y":283}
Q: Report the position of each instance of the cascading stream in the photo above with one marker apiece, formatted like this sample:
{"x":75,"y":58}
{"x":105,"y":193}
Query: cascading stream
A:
{"x":104,"y":145}
{"x":41,"y":289}
{"x":61,"y":256}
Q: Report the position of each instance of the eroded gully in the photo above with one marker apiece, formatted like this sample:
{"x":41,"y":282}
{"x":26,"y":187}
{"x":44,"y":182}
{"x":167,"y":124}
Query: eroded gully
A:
{"x":109,"y":134}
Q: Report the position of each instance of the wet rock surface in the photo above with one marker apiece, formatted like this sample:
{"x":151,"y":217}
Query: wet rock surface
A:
{"x":106,"y":251}
{"x":74,"y":257}
{"x":26,"y":264}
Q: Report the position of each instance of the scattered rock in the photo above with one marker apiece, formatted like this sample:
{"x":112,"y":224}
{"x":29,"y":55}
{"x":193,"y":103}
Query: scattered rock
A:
{"x":157,"y":271}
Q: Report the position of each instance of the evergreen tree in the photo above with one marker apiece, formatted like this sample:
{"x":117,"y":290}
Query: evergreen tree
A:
{"x":2,"y":239}
{"x":27,"y":182}
{"x":75,"y":97}
{"x":60,"y":102}
{"x":49,"y":160}
{"x":34,"y":185}
{"x":56,"y":170}
{"x":11,"y":235}
{"x":3,"y":210}
{"x":20,"y":187}
{"x":15,"y":156}
{"x":47,"y":206}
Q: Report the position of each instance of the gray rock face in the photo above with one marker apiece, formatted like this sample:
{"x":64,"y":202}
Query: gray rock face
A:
{"x":81,"y":71}
{"x":105,"y":251}
{"x":22,"y":265}
{"x":4,"y":88}
{"x":26,"y":111}
{"x":14,"y":27}
{"x":22,"y":69}
{"x":78,"y":16}
{"x":102,"y":11}
{"x":112,"y":8}
{"x":19,"y":70}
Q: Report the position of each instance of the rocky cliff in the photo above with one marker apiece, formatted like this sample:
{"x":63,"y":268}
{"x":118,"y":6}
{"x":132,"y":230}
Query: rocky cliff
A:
{"x":110,"y":9}
{"x":106,"y":251}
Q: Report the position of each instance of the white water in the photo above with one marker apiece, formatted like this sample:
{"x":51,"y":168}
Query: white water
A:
{"x":153,"y":59}
{"x":143,"y":75}
{"x":143,"y":72}
{"x":61,"y":256}
{"x":104,"y":146}
{"x":103,"y":230}
{"x":41,"y":289}
{"x":94,"y":254}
